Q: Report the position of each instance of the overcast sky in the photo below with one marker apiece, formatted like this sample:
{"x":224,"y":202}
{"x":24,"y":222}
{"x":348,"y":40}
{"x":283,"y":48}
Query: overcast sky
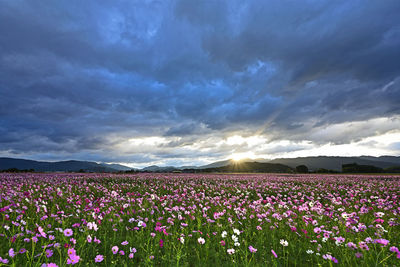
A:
{"x":191,"y":82}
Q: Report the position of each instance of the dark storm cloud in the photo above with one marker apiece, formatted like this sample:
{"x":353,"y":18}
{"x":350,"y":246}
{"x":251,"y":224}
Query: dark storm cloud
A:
{"x":78,"y":78}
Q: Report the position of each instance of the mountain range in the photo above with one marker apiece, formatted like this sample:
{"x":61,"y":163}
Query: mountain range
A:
{"x":69,"y":165}
{"x":313,"y":163}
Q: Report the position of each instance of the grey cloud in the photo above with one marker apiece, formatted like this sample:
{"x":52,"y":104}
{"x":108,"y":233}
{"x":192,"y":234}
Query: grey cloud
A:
{"x":74,"y":73}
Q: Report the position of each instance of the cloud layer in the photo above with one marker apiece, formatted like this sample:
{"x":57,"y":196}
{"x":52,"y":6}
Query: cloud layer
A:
{"x":169,"y":82}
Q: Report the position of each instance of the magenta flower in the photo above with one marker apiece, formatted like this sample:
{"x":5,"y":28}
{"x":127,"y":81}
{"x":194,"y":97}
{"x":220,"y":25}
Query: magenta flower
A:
{"x":99,"y":258}
{"x":49,"y":253}
{"x":11,"y":253}
{"x":73,"y":259}
{"x":68,"y":232}
{"x":114,"y":250}
{"x":42,"y":232}
{"x":382,"y":242}
{"x":51,"y":264}
{"x":71,"y":252}
{"x":252,"y":249}
{"x":161,"y":243}
{"x":273,"y":253}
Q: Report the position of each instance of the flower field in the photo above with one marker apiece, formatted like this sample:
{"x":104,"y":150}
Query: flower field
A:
{"x":199,"y":220}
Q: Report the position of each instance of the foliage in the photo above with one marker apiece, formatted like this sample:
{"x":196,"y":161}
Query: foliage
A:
{"x":198,"y":220}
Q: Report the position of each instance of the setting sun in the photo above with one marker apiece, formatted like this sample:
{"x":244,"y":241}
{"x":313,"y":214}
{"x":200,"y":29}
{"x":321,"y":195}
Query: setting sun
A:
{"x":241,"y":156}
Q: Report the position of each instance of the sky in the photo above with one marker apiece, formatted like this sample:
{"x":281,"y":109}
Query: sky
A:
{"x":192,"y":82}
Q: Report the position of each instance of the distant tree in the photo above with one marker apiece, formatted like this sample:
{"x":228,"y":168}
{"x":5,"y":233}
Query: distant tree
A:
{"x":302,"y":169}
{"x":355,"y":168}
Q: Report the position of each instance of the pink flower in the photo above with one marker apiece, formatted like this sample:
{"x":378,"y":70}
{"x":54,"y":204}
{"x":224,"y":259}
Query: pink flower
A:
{"x":252,"y":250}
{"x":71,"y":252}
{"x":161,"y":243}
{"x":49,"y":253}
{"x":51,"y":264}
{"x":131,"y":255}
{"x":99,"y":258}
{"x":222,"y":243}
{"x":125,"y":243}
{"x":115,"y":249}
{"x":11,"y":253}
{"x":42,"y":233}
{"x":317,"y":230}
{"x":73,"y":259}
{"x":273,"y":253}
{"x":68,"y":232}
{"x":382,"y":242}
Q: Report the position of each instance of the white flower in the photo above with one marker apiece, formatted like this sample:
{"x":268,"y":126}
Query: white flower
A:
{"x":182,"y":239}
{"x":234,"y":238}
{"x":237,"y":244}
{"x":236,"y":231}
{"x":224,"y":234}
{"x":284,"y":243}
{"x":201,"y":240}
{"x":231,"y":251}
{"x":92,"y":225}
{"x":310,"y":251}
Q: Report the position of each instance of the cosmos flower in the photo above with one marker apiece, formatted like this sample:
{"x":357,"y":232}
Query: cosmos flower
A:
{"x":68,"y":232}
{"x":41,"y":231}
{"x":71,"y":252}
{"x":99,"y":258}
{"x":224,"y":234}
{"x":230,"y":251}
{"x":201,"y":240}
{"x":11,"y":253}
{"x":49,"y":253}
{"x":74,"y":259}
{"x":284,"y":243}
{"x":114,"y":250}
{"x":252,"y":249}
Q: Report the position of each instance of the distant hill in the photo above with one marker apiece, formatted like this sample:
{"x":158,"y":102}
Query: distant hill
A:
{"x":70,"y":165}
{"x":247,"y":167}
{"x":335,"y":163}
{"x":118,"y":167}
{"x":216,"y":164}
{"x":155,"y":168}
